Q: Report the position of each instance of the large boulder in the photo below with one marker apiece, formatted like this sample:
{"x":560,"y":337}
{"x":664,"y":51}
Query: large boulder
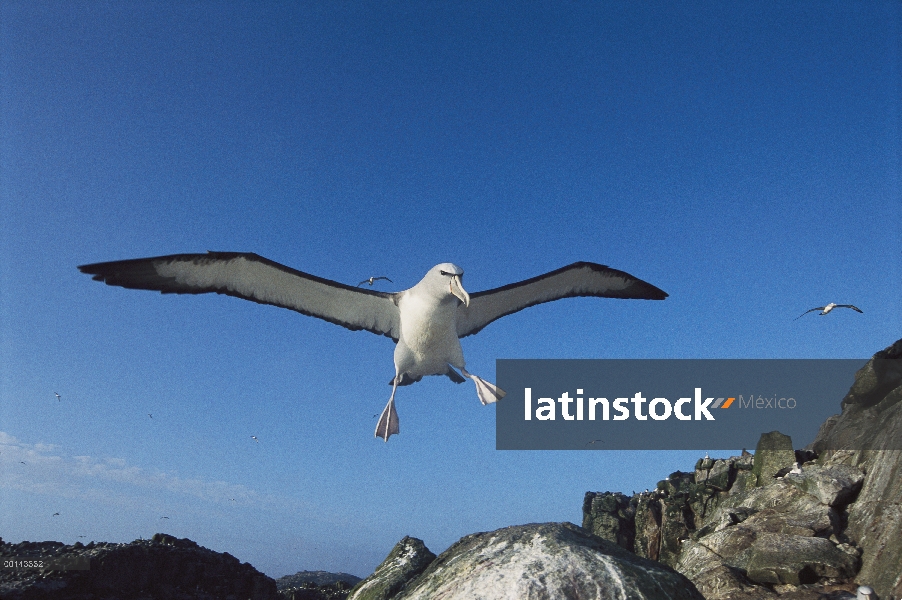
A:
{"x":833,"y":485}
{"x":407,"y":559}
{"x":545,"y":561}
{"x":773,"y":453}
{"x":762,"y":557}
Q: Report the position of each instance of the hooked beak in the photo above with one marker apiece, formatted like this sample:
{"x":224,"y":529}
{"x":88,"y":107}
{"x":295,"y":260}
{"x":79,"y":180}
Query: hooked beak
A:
{"x":458,"y":290}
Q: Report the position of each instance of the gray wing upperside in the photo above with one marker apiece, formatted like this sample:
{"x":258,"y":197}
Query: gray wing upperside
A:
{"x":578,"y":279}
{"x":252,"y":277}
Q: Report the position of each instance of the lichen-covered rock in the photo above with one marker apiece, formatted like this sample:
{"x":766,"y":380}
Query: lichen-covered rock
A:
{"x":712,"y":578}
{"x":781,"y":507}
{"x":676,"y":524}
{"x":647,"y":543}
{"x":716,"y":473}
{"x":407,"y":559}
{"x":744,"y":480}
{"x":764,"y":557}
{"x":545,"y":561}
{"x":833,"y":485}
{"x":774,"y":452}
{"x":794,"y":559}
{"x":610,"y":516}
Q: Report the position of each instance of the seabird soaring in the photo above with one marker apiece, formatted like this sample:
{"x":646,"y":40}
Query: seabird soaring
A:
{"x":58,"y":397}
{"x":426,"y":321}
{"x":827,"y":309}
{"x":372,"y":279}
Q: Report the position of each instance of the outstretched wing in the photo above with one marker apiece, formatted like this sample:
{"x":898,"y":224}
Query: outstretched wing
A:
{"x":578,"y":279}
{"x":849,"y":306}
{"x":252,"y":277}
{"x":808,"y":311}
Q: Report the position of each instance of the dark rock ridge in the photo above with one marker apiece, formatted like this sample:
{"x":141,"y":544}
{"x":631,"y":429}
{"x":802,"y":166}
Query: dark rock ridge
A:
{"x":320,"y":578}
{"x":163,"y":567}
{"x":337,"y":590}
{"x":532,"y":562}
{"x":798,"y":524}
{"x":316,"y":585}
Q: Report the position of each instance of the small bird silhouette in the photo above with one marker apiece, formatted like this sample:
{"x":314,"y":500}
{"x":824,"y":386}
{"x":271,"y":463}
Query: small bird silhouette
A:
{"x":150,"y":415}
{"x":164,"y":517}
{"x":593,"y":441}
{"x":58,"y":397}
{"x":828,"y":308}
{"x":371,"y":280}
{"x":253,"y":437}
{"x":55,"y":515}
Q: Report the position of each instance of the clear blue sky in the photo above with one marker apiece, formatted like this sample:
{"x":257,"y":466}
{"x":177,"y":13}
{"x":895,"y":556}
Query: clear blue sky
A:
{"x":743,"y":157}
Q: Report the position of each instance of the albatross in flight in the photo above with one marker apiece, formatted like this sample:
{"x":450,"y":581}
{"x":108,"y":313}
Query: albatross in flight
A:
{"x":827,"y":309}
{"x":426,"y":321}
{"x":371,"y":280}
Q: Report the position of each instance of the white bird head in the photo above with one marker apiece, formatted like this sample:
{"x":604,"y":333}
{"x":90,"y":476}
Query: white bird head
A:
{"x":444,"y":279}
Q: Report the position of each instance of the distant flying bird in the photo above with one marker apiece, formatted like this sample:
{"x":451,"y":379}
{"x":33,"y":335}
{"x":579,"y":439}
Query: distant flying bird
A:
{"x":253,"y":437}
{"x":150,"y":415}
{"x":164,"y":517}
{"x":22,"y":461}
{"x":593,"y":441}
{"x":58,"y":397}
{"x":426,"y":321}
{"x":374,"y":279}
{"x":828,"y":308}
{"x":55,"y":515}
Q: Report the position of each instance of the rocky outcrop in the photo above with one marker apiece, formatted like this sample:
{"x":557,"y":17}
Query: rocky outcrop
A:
{"x":868,"y":436}
{"x":610,"y":516}
{"x":407,"y":560}
{"x":790,"y":523}
{"x":544,"y":561}
{"x":733,"y":537}
{"x":162,"y":567}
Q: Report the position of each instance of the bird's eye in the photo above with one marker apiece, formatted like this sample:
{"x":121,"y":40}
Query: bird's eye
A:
{"x":444,"y":272}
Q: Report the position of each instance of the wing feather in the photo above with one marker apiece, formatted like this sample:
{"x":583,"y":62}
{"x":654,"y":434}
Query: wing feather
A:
{"x":578,"y":279}
{"x":252,"y":277}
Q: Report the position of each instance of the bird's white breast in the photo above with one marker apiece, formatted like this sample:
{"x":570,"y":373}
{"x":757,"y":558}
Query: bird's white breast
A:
{"x":429,"y":331}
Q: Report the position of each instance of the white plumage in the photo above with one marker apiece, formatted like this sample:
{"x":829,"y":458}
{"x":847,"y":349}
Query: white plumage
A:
{"x":827,"y":309}
{"x":426,"y":320}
